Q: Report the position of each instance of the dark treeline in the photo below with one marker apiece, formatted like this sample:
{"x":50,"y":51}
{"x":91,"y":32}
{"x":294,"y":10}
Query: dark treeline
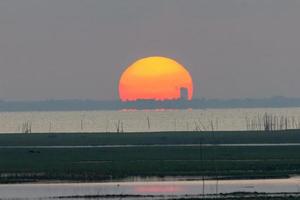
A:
{"x":68,"y":105}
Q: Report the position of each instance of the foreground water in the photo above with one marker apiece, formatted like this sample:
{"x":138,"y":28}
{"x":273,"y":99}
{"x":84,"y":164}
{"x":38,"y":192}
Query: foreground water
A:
{"x":167,"y":189}
{"x":146,"y":120}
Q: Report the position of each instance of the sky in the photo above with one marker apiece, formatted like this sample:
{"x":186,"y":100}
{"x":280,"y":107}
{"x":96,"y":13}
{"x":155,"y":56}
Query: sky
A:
{"x":77,"y":49}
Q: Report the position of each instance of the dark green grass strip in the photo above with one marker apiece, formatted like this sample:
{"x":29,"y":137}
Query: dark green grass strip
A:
{"x":97,"y":164}
{"x":238,"y":137}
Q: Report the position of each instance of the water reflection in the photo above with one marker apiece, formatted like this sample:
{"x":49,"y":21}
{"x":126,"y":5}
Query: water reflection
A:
{"x":158,"y":189}
{"x":145,"y":121}
{"x":130,"y":190}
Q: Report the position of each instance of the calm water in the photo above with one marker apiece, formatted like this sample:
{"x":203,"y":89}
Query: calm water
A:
{"x":131,"y":121}
{"x":158,"y":189}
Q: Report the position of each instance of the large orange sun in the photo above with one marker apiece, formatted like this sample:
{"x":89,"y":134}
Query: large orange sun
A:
{"x":155,"y":78}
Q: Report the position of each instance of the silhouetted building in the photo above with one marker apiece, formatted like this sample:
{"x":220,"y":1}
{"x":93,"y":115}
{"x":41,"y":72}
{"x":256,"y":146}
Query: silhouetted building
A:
{"x":184,"y":94}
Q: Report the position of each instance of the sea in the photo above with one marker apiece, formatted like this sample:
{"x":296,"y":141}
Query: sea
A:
{"x":148,"y":190}
{"x":237,"y":119}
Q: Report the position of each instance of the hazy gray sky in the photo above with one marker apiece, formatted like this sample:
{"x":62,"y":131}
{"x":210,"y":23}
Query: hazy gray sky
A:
{"x":77,"y":49}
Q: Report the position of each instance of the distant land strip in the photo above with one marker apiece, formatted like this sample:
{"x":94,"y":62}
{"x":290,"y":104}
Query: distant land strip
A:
{"x":85,"y":105}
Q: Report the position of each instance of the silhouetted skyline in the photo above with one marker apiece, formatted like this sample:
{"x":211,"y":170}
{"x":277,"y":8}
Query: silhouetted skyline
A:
{"x":85,"y":105}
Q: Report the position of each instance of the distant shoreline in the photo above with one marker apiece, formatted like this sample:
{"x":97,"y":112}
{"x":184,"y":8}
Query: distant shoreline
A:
{"x":94,"y":105}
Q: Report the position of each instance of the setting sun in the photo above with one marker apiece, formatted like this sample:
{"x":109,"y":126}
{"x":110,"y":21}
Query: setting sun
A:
{"x":155,"y":78}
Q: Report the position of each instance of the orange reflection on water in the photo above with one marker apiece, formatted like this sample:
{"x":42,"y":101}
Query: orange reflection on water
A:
{"x":154,"y":189}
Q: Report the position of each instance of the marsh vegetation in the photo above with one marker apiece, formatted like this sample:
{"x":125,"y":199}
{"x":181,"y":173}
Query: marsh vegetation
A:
{"x":94,"y":157}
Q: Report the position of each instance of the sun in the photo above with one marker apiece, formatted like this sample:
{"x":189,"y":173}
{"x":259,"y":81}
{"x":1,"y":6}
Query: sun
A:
{"x":155,"y":78}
